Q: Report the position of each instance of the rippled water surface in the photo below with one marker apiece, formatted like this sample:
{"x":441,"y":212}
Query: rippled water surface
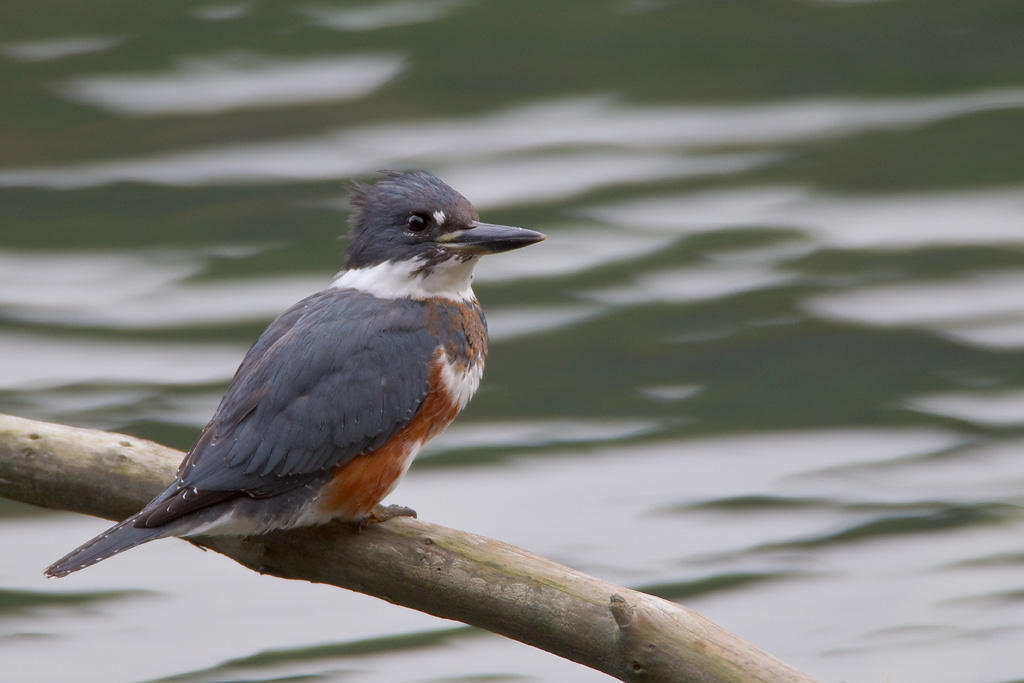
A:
{"x":770,"y":362}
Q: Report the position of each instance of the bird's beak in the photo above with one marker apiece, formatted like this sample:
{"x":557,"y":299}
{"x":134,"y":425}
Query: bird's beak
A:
{"x":486,"y":238}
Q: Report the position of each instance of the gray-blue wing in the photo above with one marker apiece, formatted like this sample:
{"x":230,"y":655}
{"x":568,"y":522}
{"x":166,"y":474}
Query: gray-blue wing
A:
{"x":336,"y":375}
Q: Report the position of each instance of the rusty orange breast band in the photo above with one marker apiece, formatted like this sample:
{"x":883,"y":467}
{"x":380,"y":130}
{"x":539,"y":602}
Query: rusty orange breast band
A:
{"x":358,"y":485}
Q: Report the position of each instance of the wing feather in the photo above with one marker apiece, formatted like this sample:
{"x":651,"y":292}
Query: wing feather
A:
{"x":334,"y":376}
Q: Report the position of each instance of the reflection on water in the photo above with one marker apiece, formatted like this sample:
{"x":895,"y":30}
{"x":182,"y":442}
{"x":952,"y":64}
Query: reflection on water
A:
{"x":379,"y":15}
{"x":591,"y":122}
{"x":878,"y":221}
{"x":1003,"y":408}
{"x":768,"y":362}
{"x":574,"y":249}
{"x":38,"y":280}
{"x":509,"y":434}
{"x":224,"y":12}
{"x":987,"y":309}
{"x":191,"y":304}
{"x":504,"y":182}
{"x":514,"y":322}
{"x":208,"y":85}
{"x":44,"y":361}
{"x":45,"y":50}
{"x":691,"y":284}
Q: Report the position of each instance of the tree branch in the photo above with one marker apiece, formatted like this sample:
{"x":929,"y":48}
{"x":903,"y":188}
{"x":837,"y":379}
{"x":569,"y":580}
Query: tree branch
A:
{"x":452,"y":574}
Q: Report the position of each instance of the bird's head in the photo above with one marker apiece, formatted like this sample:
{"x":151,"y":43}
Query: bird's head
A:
{"x":414,"y":226}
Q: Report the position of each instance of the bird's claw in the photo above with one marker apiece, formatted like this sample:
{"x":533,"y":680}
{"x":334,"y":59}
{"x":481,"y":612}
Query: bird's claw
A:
{"x":383,"y":513}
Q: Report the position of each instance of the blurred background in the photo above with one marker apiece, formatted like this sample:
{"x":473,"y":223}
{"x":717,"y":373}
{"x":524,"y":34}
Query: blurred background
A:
{"x":770,"y":362}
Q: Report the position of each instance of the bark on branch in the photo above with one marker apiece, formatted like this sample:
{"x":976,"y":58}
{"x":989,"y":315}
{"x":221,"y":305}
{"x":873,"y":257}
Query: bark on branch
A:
{"x":449,"y":573}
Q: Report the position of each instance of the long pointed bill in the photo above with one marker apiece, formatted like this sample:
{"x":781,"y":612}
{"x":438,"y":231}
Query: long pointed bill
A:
{"x":486,"y":238}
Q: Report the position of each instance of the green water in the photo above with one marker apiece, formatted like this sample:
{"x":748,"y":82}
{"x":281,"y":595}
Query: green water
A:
{"x":768,"y":363}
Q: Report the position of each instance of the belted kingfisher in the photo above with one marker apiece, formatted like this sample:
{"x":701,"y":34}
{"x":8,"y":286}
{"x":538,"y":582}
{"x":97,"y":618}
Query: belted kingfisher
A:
{"x":336,"y":397}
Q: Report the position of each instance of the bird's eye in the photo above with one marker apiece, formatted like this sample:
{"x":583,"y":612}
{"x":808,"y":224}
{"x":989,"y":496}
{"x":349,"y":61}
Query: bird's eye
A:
{"x":416,"y":222}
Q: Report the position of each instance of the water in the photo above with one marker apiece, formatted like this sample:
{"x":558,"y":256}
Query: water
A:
{"x":768,"y":363}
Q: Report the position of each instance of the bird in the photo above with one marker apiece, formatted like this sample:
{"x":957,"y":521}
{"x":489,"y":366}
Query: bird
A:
{"x":332,"y":402}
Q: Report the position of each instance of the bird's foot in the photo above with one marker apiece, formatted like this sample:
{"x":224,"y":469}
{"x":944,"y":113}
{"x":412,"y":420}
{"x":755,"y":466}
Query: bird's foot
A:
{"x":383,"y":513}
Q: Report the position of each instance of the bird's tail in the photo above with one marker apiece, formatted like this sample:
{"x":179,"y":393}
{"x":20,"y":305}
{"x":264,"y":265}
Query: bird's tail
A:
{"x":121,"y":536}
